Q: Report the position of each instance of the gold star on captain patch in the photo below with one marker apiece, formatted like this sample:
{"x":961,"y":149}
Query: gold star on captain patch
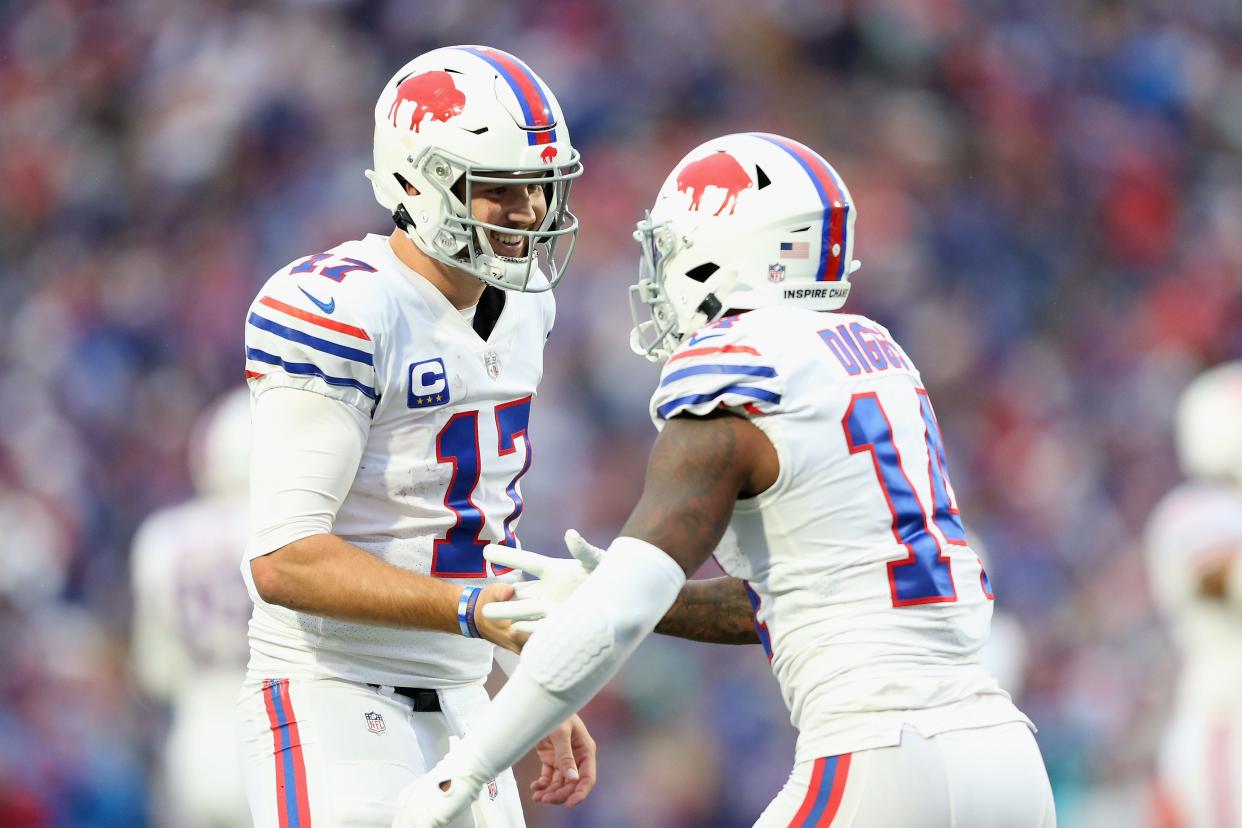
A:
{"x":439,"y":398}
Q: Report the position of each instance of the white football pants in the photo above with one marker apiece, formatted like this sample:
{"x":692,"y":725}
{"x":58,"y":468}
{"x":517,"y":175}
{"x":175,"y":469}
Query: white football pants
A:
{"x":202,"y":786}
{"x":988,"y":777}
{"x":329,"y":753}
{"x":1201,"y":769}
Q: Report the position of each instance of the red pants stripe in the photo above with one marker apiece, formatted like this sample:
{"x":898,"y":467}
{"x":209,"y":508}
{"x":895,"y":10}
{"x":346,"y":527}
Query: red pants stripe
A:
{"x":292,"y":802}
{"x":823,"y":794}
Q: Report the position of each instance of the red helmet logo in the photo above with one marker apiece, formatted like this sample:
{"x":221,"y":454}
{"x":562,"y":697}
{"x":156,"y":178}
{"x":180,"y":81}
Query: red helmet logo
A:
{"x":549,"y":152}
{"x":432,"y":93}
{"x":719,"y":170}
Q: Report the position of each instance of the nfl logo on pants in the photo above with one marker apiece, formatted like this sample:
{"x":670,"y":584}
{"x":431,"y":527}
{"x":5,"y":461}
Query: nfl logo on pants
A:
{"x":375,"y":722}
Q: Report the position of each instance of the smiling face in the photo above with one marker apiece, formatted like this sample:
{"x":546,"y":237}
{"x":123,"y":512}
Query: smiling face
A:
{"x":521,"y":206}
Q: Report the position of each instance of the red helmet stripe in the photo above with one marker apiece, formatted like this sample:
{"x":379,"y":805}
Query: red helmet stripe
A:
{"x":535,"y":105}
{"x":832,"y":196}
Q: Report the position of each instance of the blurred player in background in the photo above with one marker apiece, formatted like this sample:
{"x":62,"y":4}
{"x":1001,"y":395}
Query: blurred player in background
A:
{"x":809,"y":433}
{"x":392,"y":380}
{"x":1194,"y":555}
{"x":1006,"y":652}
{"x":190,"y":611}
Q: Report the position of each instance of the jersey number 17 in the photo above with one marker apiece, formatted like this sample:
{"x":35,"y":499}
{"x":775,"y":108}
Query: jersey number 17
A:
{"x":459,"y":554}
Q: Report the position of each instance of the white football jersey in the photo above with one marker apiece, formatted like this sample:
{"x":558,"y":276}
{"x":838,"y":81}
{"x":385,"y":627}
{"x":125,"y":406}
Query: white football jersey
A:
{"x":868,"y":600}
{"x":447,"y":446}
{"x":189,"y":648}
{"x":190,"y":604}
{"x":1194,"y":526}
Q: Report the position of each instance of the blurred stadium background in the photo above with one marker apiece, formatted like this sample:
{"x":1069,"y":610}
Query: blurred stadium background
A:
{"x":1050,"y":198}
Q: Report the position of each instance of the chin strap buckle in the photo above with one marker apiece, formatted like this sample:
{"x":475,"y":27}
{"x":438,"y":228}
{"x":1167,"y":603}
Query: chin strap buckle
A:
{"x":710,"y":307}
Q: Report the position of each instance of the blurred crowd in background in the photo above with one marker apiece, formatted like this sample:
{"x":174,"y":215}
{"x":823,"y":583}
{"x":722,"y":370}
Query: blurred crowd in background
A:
{"x":1050,"y":221}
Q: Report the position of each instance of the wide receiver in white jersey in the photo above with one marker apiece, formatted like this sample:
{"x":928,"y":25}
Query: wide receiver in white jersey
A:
{"x":189,"y":626}
{"x":1194,"y":554}
{"x":810,"y":434}
{"x":392,"y":380}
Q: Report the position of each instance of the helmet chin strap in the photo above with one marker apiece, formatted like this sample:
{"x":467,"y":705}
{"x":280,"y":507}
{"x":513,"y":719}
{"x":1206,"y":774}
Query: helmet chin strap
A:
{"x":720,"y":283}
{"x":653,"y":342}
{"x":709,"y":308}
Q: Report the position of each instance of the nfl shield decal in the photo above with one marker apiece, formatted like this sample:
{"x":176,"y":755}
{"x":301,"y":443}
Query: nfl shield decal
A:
{"x":375,"y":722}
{"x":776,"y":272}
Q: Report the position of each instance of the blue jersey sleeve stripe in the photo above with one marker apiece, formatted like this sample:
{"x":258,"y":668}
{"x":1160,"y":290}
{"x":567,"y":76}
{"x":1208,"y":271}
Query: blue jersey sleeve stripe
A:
{"x":306,"y":369}
{"x":748,"y":370}
{"x":309,"y":341}
{"x":694,"y":399}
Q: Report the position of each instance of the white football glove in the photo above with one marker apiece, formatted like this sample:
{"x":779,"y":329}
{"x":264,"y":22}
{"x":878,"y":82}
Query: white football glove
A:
{"x":422,"y":804}
{"x":558,"y":578}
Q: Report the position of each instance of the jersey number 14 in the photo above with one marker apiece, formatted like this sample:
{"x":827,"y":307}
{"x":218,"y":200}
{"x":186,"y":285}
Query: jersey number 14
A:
{"x":924,"y":576}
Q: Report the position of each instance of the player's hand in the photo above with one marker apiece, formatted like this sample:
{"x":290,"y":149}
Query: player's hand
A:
{"x":498,"y":628}
{"x":558,"y":579}
{"x":568,"y":772}
{"x":436,"y":798}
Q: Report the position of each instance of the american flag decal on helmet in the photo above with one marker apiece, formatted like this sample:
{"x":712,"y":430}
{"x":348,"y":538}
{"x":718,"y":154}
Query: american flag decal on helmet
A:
{"x":795,"y":250}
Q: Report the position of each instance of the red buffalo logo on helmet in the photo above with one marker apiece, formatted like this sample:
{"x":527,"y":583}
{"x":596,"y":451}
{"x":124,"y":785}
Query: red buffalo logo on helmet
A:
{"x":432,"y":93}
{"x":548,"y":154}
{"x":719,"y":170}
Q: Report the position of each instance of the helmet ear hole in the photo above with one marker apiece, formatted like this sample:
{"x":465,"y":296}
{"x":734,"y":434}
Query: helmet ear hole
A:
{"x":762,"y":176}
{"x":703,"y":272}
{"x":406,"y":186}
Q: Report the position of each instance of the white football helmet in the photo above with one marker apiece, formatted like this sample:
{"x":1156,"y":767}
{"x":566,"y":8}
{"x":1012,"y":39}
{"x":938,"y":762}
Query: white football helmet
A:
{"x":220,"y":446}
{"x":463,"y":116}
{"x":745,"y":221}
{"x":1209,"y":424}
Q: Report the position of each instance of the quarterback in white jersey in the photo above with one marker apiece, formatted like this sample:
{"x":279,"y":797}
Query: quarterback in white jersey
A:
{"x":392,"y":380}
{"x":808,"y":433}
{"x":1194,"y":554}
{"x":189,"y":628}
{"x":445,"y":412}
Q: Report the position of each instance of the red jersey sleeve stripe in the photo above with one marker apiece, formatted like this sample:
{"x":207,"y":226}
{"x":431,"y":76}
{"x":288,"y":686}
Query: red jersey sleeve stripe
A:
{"x":722,"y":349}
{"x":315,"y":319}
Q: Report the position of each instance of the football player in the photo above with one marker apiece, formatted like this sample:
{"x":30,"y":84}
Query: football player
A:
{"x":809,"y":433}
{"x":391,"y":380}
{"x":189,"y":626}
{"x":1194,"y":556}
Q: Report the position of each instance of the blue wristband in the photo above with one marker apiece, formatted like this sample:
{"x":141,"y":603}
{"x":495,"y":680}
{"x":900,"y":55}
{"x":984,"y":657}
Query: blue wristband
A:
{"x":465,"y":612}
